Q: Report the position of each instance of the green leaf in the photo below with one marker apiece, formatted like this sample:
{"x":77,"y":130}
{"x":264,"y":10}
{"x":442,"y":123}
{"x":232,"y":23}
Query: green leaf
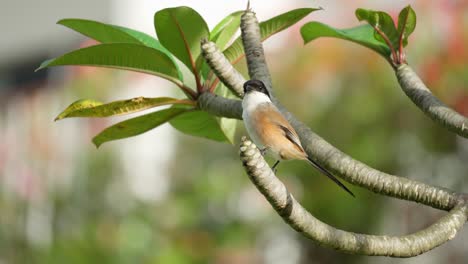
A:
{"x":203,"y":66}
{"x":406,"y":23}
{"x":92,"y":108}
{"x":199,"y":124}
{"x":381,"y":21}
{"x":363,"y":35}
{"x":228,"y":125}
{"x":180,"y":30}
{"x":149,"y":41}
{"x":269,"y":28}
{"x":144,"y":39}
{"x":137,"y":125}
{"x":101,"y":32}
{"x":222,"y":34}
{"x":107,"y":33}
{"x":224,"y":31}
{"x":121,"y":56}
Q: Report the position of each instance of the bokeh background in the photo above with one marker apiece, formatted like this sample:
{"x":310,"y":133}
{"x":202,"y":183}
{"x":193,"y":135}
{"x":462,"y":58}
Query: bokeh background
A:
{"x":165,"y":197}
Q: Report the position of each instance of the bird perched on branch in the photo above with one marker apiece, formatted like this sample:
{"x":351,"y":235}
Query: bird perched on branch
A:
{"x":270,"y":130}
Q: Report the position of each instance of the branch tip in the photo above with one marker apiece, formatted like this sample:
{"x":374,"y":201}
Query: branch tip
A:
{"x":223,"y":69}
{"x":423,"y":98}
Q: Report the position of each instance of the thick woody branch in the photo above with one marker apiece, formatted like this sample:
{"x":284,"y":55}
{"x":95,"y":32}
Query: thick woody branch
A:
{"x":250,"y":32}
{"x":374,"y":180}
{"x":333,"y":159}
{"x":220,"y":106}
{"x":343,"y":165}
{"x":351,"y":170}
{"x":302,"y":221}
{"x":222,"y":67}
{"x":417,"y":91}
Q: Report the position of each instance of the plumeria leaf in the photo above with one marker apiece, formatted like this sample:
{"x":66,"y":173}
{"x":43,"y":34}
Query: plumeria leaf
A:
{"x":363,"y":35}
{"x":223,"y":32}
{"x":267,"y":29}
{"x":406,"y":24}
{"x":382,"y":22}
{"x":136,"y":126}
{"x":92,"y":108}
{"x":99,"y":31}
{"x":199,"y":124}
{"x":107,"y":33}
{"x":221,"y":35}
{"x":180,"y":30}
{"x":121,"y":56}
{"x":228,"y":125}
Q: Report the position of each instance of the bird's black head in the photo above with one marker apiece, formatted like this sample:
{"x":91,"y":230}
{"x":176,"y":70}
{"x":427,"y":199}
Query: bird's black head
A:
{"x":255,"y":85}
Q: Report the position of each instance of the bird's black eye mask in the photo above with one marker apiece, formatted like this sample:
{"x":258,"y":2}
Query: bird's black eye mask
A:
{"x":255,"y":85}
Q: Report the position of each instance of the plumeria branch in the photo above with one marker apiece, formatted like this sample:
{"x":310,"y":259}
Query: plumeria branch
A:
{"x":339,"y":163}
{"x":327,"y":155}
{"x":422,"y":97}
{"x":222,"y":68}
{"x":302,"y":221}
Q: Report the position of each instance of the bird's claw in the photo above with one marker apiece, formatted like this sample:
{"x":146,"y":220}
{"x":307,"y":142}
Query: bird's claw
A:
{"x":263,"y":151}
{"x":273,"y":168}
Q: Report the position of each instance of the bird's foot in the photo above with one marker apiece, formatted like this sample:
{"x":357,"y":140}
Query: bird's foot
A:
{"x":273,"y":168}
{"x":263,"y":151}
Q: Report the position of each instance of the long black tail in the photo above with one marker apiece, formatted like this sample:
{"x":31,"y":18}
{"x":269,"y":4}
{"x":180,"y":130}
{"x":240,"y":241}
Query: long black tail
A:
{"x":329,"y":175}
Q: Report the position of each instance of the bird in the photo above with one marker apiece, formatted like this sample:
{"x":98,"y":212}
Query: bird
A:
{"x":270,"y":130}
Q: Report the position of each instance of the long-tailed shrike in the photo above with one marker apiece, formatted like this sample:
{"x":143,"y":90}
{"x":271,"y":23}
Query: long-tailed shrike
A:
{"x":270,"y":130}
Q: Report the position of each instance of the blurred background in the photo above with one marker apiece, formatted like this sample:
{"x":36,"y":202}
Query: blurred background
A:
{"x":164,"y":197}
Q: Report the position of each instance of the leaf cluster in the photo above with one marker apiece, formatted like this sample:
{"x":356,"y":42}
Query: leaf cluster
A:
{"x":179,"y":31}
{"x":379,"y":34}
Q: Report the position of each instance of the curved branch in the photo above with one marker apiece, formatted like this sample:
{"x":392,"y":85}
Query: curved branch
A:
{"x":327,"y":155}
{"x":421,"y":96}
{"x":351,"y":170}
{"x":222,"y":67}
{"x":343,"y":165}
{"x":302,"y":221}
{"x":374,"y":180}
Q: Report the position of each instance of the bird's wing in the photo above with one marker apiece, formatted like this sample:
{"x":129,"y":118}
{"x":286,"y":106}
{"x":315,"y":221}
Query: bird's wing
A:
{"x":292,"y":136}
{"x":271,"y":117}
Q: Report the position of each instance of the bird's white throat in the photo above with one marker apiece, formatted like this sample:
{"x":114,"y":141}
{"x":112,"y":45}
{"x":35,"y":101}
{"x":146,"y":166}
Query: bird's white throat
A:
{"x":253,"y":99}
